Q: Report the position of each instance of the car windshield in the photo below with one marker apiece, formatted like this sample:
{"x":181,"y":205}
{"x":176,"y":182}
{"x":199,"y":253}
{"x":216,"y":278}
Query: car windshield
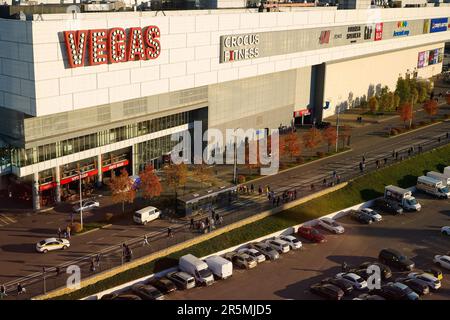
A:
{"x":360,"y":280}
{"x":412,"y":201}
{"x":402,"y":258}
{"x":314,"y":231}
{"x":295,"y":240}
{"x":137,"y":215}
{"x":335,"y":224}
{"x":249,"y":259}
{"x":443,"y":189}
{"x":204,"y":273}
{"x":42,"y":242}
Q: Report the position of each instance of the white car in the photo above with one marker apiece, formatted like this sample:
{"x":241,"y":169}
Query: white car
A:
{"x":255,"y":254}
{"x":446,"y":230}
{"x":357,"y":282}
{"x":294,"y":243}
{"x":86,"y":205}
{"x":442,"y":261}
{"x":430,"y":280}
{"x":375,"y":215}
{"x":279,"y":245}
{"x":52,"y":244}
{"x":331,"y":225}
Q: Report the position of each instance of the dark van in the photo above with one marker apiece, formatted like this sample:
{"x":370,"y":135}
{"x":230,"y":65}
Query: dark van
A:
{"x":395,"y":259}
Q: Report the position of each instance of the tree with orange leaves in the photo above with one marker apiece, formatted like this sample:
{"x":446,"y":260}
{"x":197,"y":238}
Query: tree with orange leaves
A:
{"x":150,"y":184}
{"x":406,"y":113}
{"x":330,"y":135}
{"x":290,"y":145}
{"x":250,"y":162}
{"x":312,"y":138}
{"x":447,"y":98}
{"x":121,"y":187}
{"x":431,"y":107}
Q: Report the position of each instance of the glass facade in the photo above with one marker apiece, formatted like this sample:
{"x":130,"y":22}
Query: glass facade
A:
{"x":24,"y":157}
{"x":152,"y":150}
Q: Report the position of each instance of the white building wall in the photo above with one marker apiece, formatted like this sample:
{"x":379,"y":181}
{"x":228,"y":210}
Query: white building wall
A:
{"x":348,"y":81}
{"x":189,"y":57}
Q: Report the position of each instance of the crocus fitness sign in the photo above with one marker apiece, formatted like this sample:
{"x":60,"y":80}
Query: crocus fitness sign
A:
{"x":113,"y":45}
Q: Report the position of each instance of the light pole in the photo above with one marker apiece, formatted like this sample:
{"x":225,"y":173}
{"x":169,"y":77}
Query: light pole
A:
{"x":235,"y":163}
{"x":81,"y":201}
{"x":337,"y":129}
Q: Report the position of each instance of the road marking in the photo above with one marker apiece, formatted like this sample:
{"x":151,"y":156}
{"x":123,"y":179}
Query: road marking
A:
{"x":101,"y":238}
{"x":3,"y":220}
{"x":8,"y":218}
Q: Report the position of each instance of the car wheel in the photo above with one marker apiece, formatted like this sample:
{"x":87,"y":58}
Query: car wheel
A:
{"x":45,"y":251}
{"x":64,"y":247}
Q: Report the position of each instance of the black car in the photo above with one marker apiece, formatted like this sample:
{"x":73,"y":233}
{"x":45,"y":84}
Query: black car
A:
{"x":147,"y":292}
{"x":388,"y":206}
{"x":362,"y":272}
{"x":390,"y":292}
{"x":360,"y":217}
{"x":115,"y":296}
{"x":418,"y":286}
{"x":343,"y":284}
{"x":367,"y":296}
{"x":386,"y":272}
{"x":164,"y":285}
{"x":327,"y":291}
{"x":396,"y":259}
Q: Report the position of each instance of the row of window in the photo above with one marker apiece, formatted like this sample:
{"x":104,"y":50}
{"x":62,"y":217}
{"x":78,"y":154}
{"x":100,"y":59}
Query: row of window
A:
{"x":25,"y":157}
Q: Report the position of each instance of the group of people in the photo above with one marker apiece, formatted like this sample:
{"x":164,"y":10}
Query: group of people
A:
{"x":20,"y":290}
{"x":246,"y":189}
{"x":127,"y":253}
{"x":208,"y":223}
{"x":65,"y":234}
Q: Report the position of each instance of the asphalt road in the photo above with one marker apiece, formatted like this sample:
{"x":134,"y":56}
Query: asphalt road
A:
{"x":17,"y":240}
{"x":416,"y":234}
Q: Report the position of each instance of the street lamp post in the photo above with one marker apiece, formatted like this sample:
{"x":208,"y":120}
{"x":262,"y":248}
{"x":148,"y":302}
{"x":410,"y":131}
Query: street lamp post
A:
{"x":235,"y":163}
{"x":337,"y":129}
{"x":81,"y":201}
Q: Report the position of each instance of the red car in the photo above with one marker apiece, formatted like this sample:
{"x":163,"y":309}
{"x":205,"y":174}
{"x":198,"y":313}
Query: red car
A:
{"x":311,"y":234}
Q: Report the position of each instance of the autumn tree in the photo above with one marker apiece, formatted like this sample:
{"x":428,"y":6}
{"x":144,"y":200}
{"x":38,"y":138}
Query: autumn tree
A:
{"x":403,"y":90}
{"x":447,"y":98}
{"x":431,"y":107}
{"x":252,"y":162}
{"x":312,"y":138}
{"x":201,"y":171}
{"x":150,"y":185}
{"x":345,"y":133}
{"x":121,"y":187}
{"x":373,"y":104}
{"x":290,"y":145}
{"x":176,"y":176}
{"x":330,"y":135}
{"x":406,"y":113}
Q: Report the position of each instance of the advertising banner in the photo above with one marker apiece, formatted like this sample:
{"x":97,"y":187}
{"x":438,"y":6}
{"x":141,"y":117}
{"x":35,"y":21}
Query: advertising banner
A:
{"x":421,"y":60}
{"x":438,"y":25}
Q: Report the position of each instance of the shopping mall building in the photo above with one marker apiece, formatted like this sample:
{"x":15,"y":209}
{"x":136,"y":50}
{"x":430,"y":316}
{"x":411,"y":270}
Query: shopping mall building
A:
{"x":100,"y":91}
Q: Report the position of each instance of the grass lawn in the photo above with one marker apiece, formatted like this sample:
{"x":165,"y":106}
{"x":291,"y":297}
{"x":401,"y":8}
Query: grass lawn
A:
{"x":360,"y":190}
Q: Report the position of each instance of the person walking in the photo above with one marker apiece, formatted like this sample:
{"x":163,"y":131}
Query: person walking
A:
{"x":260,"y":190}
{"x":169,"y":232}
{"x":324,"y":182}
{"x":68,"y":231}
{"x":59,"y":233}
{"x":192,"y":224}
{"x":97,"y":260}
{"x":20,"y":289}
{"x":3,"y":292}
{"x":252,"y":188}
{"x":57,"y":271}
{"x":145,"y":242}
{"x":344,"y":267}
{"x":377,"y":163}
{"x":338,"y":179}
{"x":92,"y":268}
{"x":385,"y":161}
{"x":361,"y":168}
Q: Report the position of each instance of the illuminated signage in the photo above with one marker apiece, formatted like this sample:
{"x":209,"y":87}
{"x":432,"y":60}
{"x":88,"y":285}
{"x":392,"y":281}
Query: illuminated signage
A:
{"x":115,"y":45}
{"x":378,"y":31}
{"x":239,"y":47}
{"x":430,"y":57}
{"x":324,"y":37}
{"x":439,"y":25}
{"x":368,"y":30}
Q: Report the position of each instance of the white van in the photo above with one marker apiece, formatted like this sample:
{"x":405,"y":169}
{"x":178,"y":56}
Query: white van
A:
{"x":146,"y":215}
{"x":220,"y":267}
{"x":432,"y":186}
{"x":439,"y":176}
{"x":447,"y":171}
{"x":196,"y":268}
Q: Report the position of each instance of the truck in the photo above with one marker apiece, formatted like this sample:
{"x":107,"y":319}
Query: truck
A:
{"x":447,"y":171}
{"x":196,"y":268}
{"x":432,"y":186}
{"x":402,"y":196}
{"x":439,"y":176}
{"x":220,"y":267}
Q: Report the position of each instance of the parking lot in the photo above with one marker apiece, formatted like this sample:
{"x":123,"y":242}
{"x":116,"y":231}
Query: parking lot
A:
{"x":416,"y":234}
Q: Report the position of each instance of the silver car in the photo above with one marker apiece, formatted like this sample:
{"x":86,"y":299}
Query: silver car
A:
{"x":266,"y":250}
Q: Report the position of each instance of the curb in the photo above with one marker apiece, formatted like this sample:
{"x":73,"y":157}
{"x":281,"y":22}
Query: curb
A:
{"x":418,"y":129}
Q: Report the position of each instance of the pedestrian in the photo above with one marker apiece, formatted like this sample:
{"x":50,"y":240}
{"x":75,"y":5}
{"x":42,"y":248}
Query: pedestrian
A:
{"x":169,"y":232}
{"x":312,"y":186}
{"x":338,"y":179}
{"x":324,"y":182}
{"x":220,"y":219}
{"x":68,"y":231}
{"x":385,"y":161}
{"x":278,"y":201}
{"x":216,"y":217}
{"x":20,"y":289}
{"x":334,"y":174}
{"x":274,"y":202}
{"x":252,"y":188}
{"x":92,"y":265}
{"x":260,"y":190}
{"x":344,"y":266}
{"x":361,"y":168}
{"x":3,"y":292}
{"x":59,"y":233}
{"x":57,"y":271}
{"x":363,"y":159}
{"x":97,"y":258}
{"x":393,"y":154}
{"x":409,"y":152}
{"x":192,"y":224}
{"x":396,"y":155}
{"x":377,"y":163}
{"x":295,"y":194}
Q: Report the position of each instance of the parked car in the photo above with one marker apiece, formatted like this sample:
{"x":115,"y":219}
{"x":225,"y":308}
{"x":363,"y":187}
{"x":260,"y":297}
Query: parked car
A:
{"x":241,"y":260}
{"x":147,"y":292}
{"x":372,"y":213}
{"x":388,"y":206}
{"x":164,"y":285}
{"x":395,"y":259}
{"x":331,"y":225}
{"x":311,"y":234}
{"x":52,"y":244}
{"x":367,"y":296}
{"x":435,"y":272}
{"x":362,"y":272}
{"x":391,"y":292}
{"x":345,"y":285}
{"x":361,"y":217}
{"x":323,"y":125}
{"x":327,"y":290}
{"x":357,"y":282}
{"x":294,"y":243}
{"x":266,"y":250}
{"x":86,"y":205}
{"x":418,"y":286}
{"x":445,"y":230}
{"x":430,"y":280}
{"x":280,"y":245}
{"x":386,"y":272}
{"x":181,"y":279}
{"x":255,"y":254}
{"x":407,"y":291}
{"x":115,"y":296}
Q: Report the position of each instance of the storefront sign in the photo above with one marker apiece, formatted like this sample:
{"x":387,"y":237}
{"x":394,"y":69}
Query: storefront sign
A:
{"x":439,"y":25}
{"x":402,"y":29}
{"x":324,"y":37}
{"x":379,"y":31}
{"x":114,"y":45}
{"x":368,"y":30}
{"x":115,"y":165}
{"x":430,"y":57}
{"x":353,"y":33}
{"x":77,"y":177}
{"x":239,"y":47}
{"x":426,"y":26}
{"x":301,"y":113}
